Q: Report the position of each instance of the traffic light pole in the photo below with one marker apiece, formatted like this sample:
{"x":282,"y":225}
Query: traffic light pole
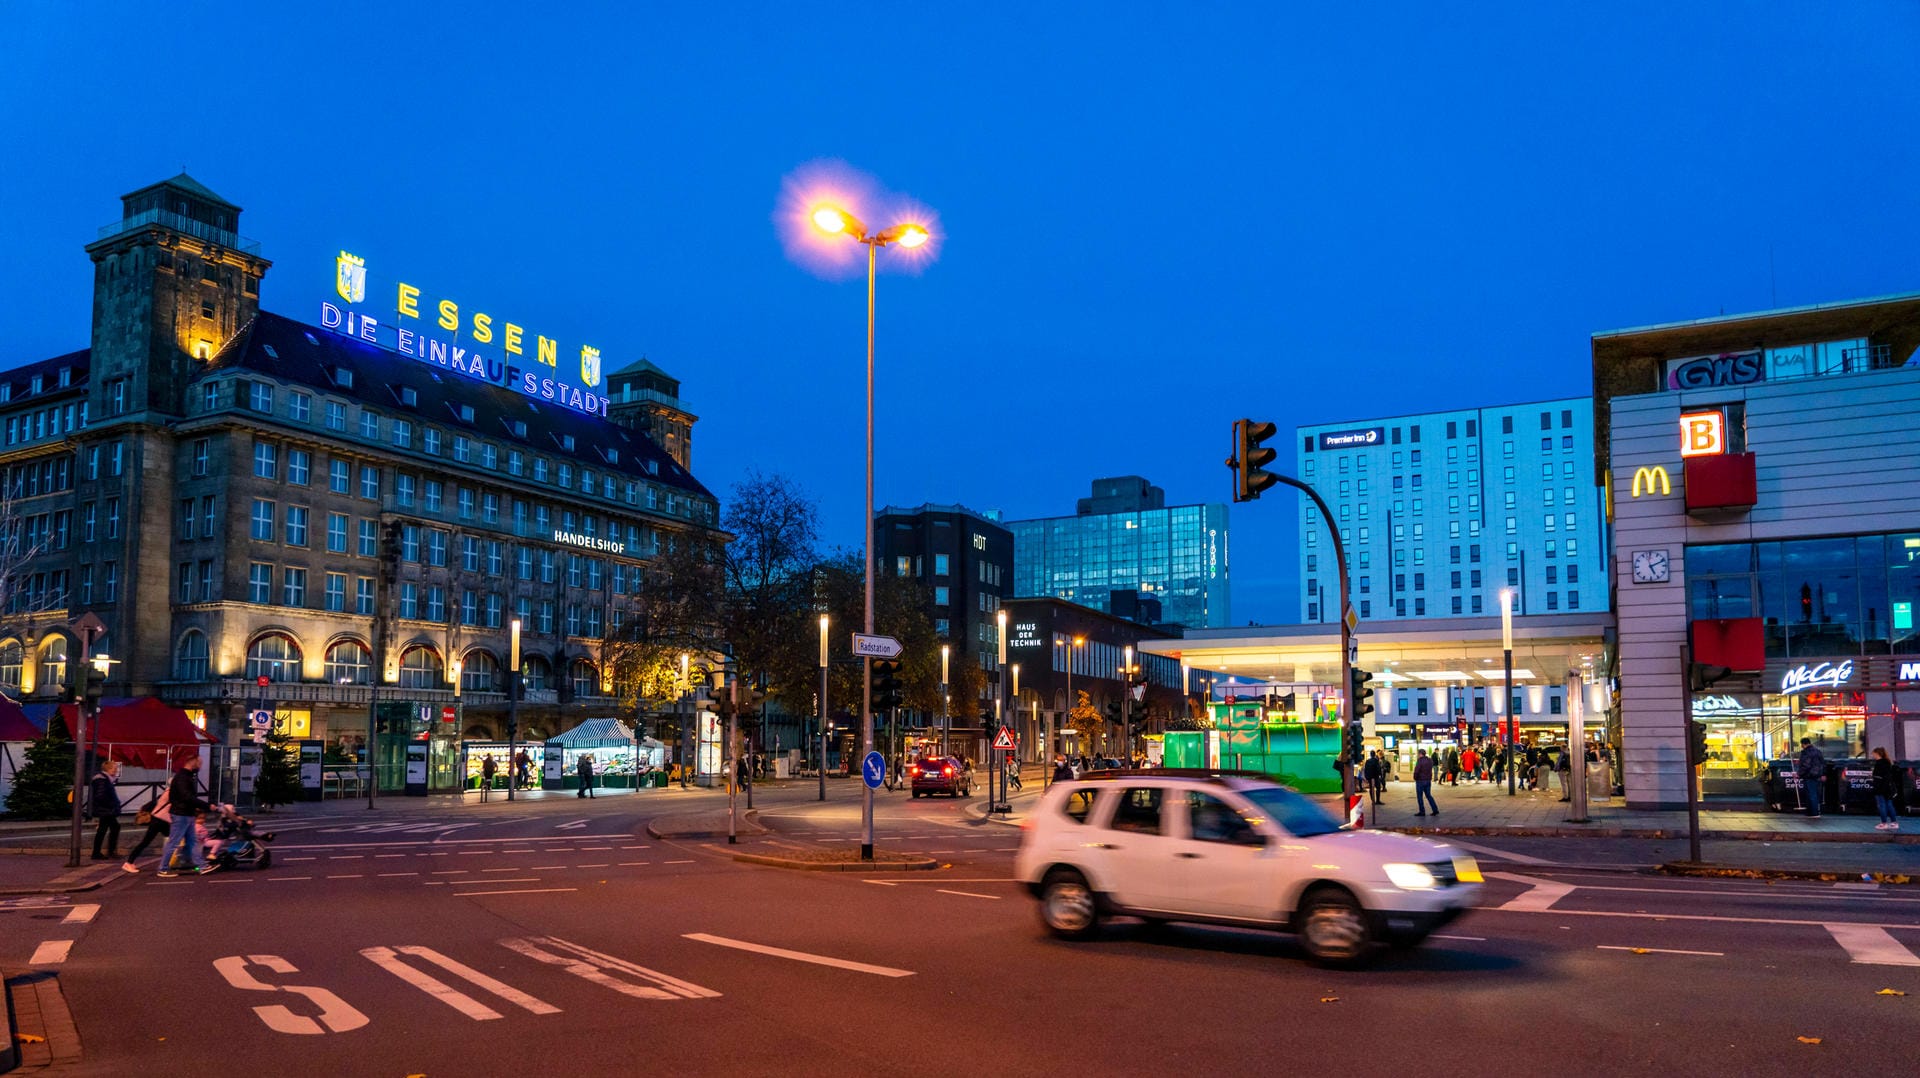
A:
{"x":1349,"y":709}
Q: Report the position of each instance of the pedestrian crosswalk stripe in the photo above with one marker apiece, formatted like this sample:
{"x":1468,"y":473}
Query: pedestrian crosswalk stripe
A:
{"x":1872,"y":945}
{"x":597,"y":968}
{"x":387,"y":958}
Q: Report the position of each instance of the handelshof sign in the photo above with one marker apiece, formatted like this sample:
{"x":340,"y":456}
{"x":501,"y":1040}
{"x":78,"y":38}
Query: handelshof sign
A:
{"x":611,"y":546}
{"x":1349,"y":439}
{"x":1816,"y":676}
{"x":448,"y":341}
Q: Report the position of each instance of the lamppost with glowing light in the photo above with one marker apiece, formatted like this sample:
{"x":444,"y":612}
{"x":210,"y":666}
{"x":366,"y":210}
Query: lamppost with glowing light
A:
{"x":946,"y":652}
{"x":835,"y":221}
{"x":823,"y":707}
{"x":1506,"y":649}
{"x":1072,"y":642}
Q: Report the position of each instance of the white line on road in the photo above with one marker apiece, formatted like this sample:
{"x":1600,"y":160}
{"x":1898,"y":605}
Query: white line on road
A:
{"x":449,"y":871}
{"x":50,"y":953}
{"x":574,"y":826}
{"x":353,"y":876}
{"x":522,"y":891}
{"x":1469,"y":939}
{"x":399,"y":874}
{"x":591,"y":849}
{"x":597,"y":968}
{"x":344,"y":857}
{"x":680,"y":862}
{"x":81,"y":914}
{"x":1659,"y":950}
{"x":287,"y":879}
{"x":387,"y":959}
{"x":799,"y":956}
{"x":1872,"y":946}
{"x":601,"y":864}
{"x":541,"y":868}
{"x":966,"y":894}
{"x":485,"y":883}
{"x":1500,"y":855}
{"x":943,"y":879}
{"x":629,"y":864}
{"x":1641,"y":916}
{"x":1540,"y":897}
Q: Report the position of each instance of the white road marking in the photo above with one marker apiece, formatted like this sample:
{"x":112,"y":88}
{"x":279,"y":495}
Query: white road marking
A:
{"x":344,"y":857}
{"x":499,"y":870}
{"x":541,"y":868}
{"x":966,"y":894}
{"x":593,"y":849}
{"x":399,"y":874}
{"x":799,"y":956}
{"x":633,"y":847}
{"x":354,"y":876}
{"x":427,"y":842}
{"x":449,"y":871}
{"x":1856,"y":887}
{"x":50,"y":953}
{"x":1872,"y":945}
{"x":573,"y":826}
{"x":522,"y":891}
{"x":1499,"y":855}
{"x":1659,"y":950}
{"x":387,"y":958}
{"x":337,"y":1014}
{"x":484,"y":883}
{"x":597,"y":968}
{"x":299,"y":858}
{"x":601,"y":864}
{"x":287,"y":879}
{"x":1469,"y":939}
{"x":1540,"y":897}
{"x":381,"y":855}
{"x":679,"y":862}
{"x":1715,"y":918}
{"x":81,"y":914}
{"x":942,"y":879}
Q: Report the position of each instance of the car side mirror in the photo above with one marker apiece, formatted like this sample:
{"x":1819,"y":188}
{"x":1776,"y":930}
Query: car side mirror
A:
{"x":1251,"y":837}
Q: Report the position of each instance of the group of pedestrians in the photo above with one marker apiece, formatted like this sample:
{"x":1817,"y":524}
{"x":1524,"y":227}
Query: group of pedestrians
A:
{"x":173,"y":811}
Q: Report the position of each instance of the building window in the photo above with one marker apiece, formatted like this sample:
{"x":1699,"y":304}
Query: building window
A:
{"x":409,"y":600}
{"x":430,"y":441}
{"x":189,"y":658}
{"x":186,"y":581}
{"x":339,"y":477}
{"x":266,"y":460}
{"x":336,"y":594}
{"x":940,"y":565}
{"x":299,"y":462}
{"x":369,"y":482}
{"x":262,"y":520}
{"x":403,"y":490}
{"x":260,"y":397}
{"x":370,"y":425}
{"x":297,"y":525}
{"x":336,"y":416}
{"x":420,"y":669}
{"x":200,"y":455}
{"x":274,"y":656}
{"x":363,"y":595}
{"x":403,"y":433}
{"x":299,"y":407}
{"x":369,"y":539}
{"x":940,"y":597}
{"x":349,"y":663}
{"x":536,"y":675}
{"x":206,"y":580}
{"x":293,"y":590}
{"x":586,"y":681}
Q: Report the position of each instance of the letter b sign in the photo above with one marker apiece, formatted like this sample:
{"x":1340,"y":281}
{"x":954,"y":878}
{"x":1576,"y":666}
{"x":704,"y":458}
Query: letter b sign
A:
{"x":1703,"y":434}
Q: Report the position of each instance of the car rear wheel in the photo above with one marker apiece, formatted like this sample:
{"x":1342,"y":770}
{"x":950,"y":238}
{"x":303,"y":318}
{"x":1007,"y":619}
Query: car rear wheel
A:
{"x":1068,"y":906}
{"x":1333,"y":927}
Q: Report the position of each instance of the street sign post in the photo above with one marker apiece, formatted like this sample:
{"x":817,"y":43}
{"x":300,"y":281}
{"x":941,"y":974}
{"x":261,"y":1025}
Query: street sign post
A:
{"x":447,"y":713}
{"x":875,"y":646}
{"x":873,"y":770}
{"x":1005,"y":740}
{"x":260,"y":720}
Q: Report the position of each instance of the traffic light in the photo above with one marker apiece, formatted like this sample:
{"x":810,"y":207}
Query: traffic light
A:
{"x":1355,"y":744}
{"x":1113,"y":712}
{"x":887,"y":692}
{"x":1250,"y":459}
{"x":1359,"y":694}
{"x":1696,"y":743}
{"x":93,"y":684}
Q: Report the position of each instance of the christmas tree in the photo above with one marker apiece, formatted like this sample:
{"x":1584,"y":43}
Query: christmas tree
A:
{"x":42,"y":785}
{"x":279,"y":780}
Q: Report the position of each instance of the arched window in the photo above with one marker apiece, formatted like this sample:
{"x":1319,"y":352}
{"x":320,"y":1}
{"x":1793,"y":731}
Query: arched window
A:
{"x":190,"y":658}
{"x":276,"y":656}
{"x":479,"y":672}
{"x":536,"y":674}
{"x":349,"y":663}
{"x":12,"y":658}
{"x":53,"y":662}
{"x":420,"y":669}
{"x":586,"y":680}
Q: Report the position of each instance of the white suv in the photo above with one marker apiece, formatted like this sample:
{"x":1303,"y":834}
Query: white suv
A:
{"x":1233,"y":849}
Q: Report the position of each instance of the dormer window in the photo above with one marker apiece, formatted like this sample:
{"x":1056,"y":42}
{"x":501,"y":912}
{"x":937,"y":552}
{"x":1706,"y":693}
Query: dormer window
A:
{"x":463,"y":412}
{"x":515,"y":427}
{"x":653,"y":467}
{"x":37,"y":383}
{"x":66,"y":376}
{"x":342,"y":377}
{"x":406,"y":395}
{"x":610,"y":455}
{"x":564,"y":441}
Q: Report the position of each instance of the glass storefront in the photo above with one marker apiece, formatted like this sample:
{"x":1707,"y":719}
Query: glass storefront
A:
{"x":1744,"y":731}
{"x":1835,"y":598}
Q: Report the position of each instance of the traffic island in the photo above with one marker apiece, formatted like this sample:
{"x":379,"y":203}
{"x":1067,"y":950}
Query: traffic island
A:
{"x":834,"y":860}
{"x":711,"y":823}
{"x":1737,"y":872}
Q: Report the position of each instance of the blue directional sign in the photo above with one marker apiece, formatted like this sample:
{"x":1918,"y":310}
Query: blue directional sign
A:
{"x":873,"y":770}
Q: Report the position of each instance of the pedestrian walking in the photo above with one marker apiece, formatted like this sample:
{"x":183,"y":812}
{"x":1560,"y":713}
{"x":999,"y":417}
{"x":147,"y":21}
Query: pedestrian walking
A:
{"x":487,"y":768}
{"x":1886,"y":784}
{"x":1470,"y":762}
{"x":158,"y":820}
{"x":1013,"y":771}
{"x":585,"y":770}
{"x":185,"y":806}
{"x":1374,"y":772}
{"x":1812,"y":769}
{"x":104,"y":800}
{"x":1423,"y":784}
{"x":1565,"y":770}
{"x":1062,"y":770}
{"x":522,"y":770}
{"x":1453,"y":766}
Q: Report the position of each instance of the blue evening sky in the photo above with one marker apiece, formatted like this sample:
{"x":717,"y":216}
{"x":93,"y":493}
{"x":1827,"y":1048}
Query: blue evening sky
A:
{"x":1155,"y":218}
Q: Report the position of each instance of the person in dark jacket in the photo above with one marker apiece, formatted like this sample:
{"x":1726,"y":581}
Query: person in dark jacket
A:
{"x":585,"y":771}
{"x":1886,"y":783}
{"x":1812,"y":769}
{"x":105,"y":800}
{"x":1375,"y":774}
{"x":183,"y":801}
{"x":1423,"y":784}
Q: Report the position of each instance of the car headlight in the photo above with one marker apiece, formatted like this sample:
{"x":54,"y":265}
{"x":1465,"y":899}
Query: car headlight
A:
{"x":1410,"y":877}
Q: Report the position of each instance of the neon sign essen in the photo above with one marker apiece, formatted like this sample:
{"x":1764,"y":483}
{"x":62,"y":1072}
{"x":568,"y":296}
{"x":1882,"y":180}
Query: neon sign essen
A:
{"x":1803,"y":677}
{"x":448,"y":350}
{"x":611,"y":546}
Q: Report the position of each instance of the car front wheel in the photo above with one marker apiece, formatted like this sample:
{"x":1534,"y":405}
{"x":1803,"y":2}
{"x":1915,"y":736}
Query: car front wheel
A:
{"x":1068,"y":906}
{"x":1333,"y":928}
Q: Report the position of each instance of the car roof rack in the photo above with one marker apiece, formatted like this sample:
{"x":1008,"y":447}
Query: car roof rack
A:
{"x":1209,"y":773}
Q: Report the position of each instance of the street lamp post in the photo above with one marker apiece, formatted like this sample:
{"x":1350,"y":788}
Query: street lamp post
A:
{"x":823,"y":708}
{"x":686,"y":716}
{"x":1126,"y":703}
{"x":946,"y":652}
{"x":513,"y":701}
{"x":1072,"y":642}
{"x":1000,"y":718}
{"x":835,"y":221}
{"x":1506,"y":650}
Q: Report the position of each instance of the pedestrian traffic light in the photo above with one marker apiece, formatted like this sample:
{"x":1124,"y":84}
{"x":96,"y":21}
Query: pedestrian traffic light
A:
{"x":1250,"y":459}
{"x":1360,"y":694}
{"x":886,"y":684}
{"x":1355,"y":744}
{"x":93,"y":685}
{"x":1696,"y":743}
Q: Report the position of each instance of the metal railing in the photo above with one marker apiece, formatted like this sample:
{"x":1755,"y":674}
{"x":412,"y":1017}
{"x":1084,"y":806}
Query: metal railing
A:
{"x":197,"y":229}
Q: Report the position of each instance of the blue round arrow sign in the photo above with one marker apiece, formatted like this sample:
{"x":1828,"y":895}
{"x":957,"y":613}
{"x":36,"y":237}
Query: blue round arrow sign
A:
{"x":873,"y":770}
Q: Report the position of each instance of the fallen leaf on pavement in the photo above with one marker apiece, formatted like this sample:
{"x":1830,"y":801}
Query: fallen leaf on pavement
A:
{"x":1808,"y":1040}
{"x":1640,"y":950}
{"x":1329,"y":999}
{"x":1889,"y":992}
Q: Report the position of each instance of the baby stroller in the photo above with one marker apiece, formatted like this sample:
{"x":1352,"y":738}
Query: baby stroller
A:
{"x":233,"y":843}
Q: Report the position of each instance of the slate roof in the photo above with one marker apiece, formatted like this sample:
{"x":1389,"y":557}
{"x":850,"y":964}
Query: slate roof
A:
{"x":21,"y":378}
{"x":188,"y":184}
{"x":291,"y":351}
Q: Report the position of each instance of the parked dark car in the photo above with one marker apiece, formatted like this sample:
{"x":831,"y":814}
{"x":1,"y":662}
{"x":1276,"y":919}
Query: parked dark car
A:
{"x":940,"y":775}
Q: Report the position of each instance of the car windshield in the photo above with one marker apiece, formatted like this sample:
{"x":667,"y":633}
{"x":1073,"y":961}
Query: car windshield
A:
{"x":1299,"y":816}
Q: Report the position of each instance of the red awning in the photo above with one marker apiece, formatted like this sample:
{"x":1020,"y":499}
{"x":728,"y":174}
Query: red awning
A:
{"x":143,"y":733}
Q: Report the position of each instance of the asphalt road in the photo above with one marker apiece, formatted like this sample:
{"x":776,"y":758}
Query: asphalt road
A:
{"x":559,"y":937}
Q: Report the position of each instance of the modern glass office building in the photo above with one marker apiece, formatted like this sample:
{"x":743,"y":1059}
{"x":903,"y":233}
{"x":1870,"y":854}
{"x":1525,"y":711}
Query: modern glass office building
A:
{"x":1440,"y":511}
{"x":1126,"y":539}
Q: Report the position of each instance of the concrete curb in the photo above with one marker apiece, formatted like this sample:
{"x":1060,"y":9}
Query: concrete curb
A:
{"x":9,"y":1048}
{"x":922,"y":864}
{"x":748,"y":825}
{"x":1696,"y":868}
{"x":85,"y":878}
